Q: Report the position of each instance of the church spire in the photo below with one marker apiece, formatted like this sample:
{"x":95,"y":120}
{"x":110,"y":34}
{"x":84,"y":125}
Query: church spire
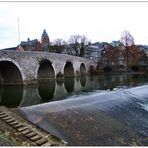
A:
{"x":44,"y":34}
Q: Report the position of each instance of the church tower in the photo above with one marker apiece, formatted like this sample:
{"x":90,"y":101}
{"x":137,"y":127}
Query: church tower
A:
{"x":45,"y":39}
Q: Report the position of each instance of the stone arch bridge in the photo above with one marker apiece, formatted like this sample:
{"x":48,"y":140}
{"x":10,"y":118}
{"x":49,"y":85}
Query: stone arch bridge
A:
{"x":26,"y":67}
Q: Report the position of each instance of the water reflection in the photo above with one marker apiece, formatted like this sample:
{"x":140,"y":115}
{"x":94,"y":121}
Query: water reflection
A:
{"x":13,"y":96}
{"x":60,"y":81}
{"x":69,"y":83}
{"x":83,"y":80}
{"x":46,"y":89}
{"x":30,"y":96}
{"x":77,"y":79}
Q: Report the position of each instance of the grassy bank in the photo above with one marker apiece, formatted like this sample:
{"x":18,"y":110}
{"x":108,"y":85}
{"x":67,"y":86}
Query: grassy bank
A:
{"x":5,"y":140}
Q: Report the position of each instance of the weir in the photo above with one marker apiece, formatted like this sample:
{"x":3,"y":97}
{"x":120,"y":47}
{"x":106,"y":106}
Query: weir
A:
{"x":117,"y":117}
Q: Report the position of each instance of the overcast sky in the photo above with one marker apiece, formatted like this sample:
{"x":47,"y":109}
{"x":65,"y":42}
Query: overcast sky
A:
{"x":98,"y":21}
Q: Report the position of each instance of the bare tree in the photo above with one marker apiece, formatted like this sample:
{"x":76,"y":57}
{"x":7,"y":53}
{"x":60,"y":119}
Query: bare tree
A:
{"x":126,"y":38}
{"x":83,"y":42}
{"x":59,"y":42}
{"x":59,"y":45}
{"x":74,"y":41}
{"x":128,"y":42}
{"x":78,"y":42}
{"x":134,"y":55}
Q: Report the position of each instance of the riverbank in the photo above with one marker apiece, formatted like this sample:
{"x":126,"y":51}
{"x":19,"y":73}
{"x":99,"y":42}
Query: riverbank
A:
{"x":101,"y":72}
{"x":8,"y":136}
{"x":6,"y":141}
{"x":16,"y":131}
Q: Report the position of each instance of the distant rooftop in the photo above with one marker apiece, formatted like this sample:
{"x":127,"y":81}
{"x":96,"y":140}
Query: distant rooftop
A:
{"x":11,"y":48}
{"x":29,"y":42}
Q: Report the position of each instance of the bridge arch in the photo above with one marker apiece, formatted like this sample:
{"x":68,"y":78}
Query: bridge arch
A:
{"x":10,"y":73}
{"x":91,"y":69}
{"x":45,"y":70}
{"x":82,"y":69}
{"x":68,"y":69}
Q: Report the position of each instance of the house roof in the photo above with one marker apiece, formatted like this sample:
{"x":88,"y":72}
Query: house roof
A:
{"x":11,"y":48}
{"x":29,"y":42}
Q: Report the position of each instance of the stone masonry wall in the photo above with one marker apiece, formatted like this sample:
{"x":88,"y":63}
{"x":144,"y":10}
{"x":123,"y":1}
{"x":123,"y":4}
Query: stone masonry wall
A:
{"x":28,"y":62}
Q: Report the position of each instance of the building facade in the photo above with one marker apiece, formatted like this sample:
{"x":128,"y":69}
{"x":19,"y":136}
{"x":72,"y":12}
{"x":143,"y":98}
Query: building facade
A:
{"x":45,"y":42}
{"x":35,"y":45}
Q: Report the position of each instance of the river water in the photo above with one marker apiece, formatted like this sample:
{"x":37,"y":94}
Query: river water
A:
{"x":52,"y":90}
{"x":88,"y":110}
